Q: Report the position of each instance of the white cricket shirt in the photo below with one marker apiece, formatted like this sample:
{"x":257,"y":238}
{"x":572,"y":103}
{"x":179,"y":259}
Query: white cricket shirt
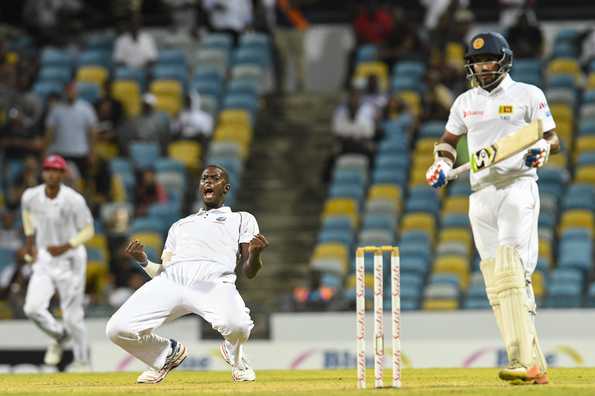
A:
{"x":210,"y":240}
{"x":57,"y":220}
{"x":488,"y":116}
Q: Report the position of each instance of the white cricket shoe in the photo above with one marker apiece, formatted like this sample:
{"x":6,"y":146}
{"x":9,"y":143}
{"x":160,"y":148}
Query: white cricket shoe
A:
{"x":79,"y":367}
{"x":241,"y":372}
{"x":53,"y":355}
{"x":174,"y":359}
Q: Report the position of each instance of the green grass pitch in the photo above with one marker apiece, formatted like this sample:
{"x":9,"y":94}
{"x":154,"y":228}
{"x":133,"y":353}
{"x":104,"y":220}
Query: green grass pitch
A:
{"x":578,"y":381}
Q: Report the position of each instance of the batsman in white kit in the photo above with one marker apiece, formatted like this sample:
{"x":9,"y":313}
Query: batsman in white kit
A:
{"x":57,"y":221}
{"x":196,"y":275}
{"x":504,"y":204}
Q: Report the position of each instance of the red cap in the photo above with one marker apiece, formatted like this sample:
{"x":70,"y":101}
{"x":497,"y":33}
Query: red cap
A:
{"x":54,"y":162}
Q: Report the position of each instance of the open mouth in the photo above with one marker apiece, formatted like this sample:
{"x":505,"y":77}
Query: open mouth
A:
{"x":208,"y":192}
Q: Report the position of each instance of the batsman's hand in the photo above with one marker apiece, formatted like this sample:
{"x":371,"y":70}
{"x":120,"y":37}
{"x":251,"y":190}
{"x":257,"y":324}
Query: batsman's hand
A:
{"x":537,"y":156}
{"x":58,"y":250}
{"x":436,"y":176}
{"x":258,"y":244}
{"x":136,"y":250}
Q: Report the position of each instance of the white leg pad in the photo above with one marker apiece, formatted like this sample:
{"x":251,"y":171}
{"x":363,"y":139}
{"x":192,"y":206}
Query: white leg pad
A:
{"x":489,"y":277}
{"x":517,"y":326}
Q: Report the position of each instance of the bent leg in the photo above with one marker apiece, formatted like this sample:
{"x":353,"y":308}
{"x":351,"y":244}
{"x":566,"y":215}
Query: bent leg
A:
{"x":155,"y":303}
{"x":39,"y":293}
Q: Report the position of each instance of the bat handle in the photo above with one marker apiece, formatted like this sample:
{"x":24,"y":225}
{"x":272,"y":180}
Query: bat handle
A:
{"x":453,"y":174}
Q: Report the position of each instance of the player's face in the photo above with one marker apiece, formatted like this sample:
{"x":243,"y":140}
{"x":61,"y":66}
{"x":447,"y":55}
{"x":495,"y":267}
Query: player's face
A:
{"x":213,"y":187}
{"x":485,"y":68}
{"x":52,"y":177}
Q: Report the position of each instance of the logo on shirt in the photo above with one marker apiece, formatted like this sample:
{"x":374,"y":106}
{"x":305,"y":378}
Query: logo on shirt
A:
{"x":505,"y":109}
{"x":221,"y":219}
{"x":472,"y":113}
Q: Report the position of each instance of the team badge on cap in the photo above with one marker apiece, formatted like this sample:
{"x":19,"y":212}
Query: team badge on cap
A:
{"x":478,"y":43}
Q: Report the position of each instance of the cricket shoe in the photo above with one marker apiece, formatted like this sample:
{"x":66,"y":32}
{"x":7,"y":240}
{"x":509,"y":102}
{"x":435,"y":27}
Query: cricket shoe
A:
{"x":53,"y":355}
{"x":241,"y":372}
{"x":177,"y":355}
{"x":519,"y":375}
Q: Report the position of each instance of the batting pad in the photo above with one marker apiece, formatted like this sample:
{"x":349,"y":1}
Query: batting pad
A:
{"x":489,"y":277}
{"x":517,"y":326}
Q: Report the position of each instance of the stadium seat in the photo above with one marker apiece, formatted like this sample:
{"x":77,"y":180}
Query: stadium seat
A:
{"x":366,"y":69}
{"x":128,"y":93}
{"x":92,"y":74}
{"x":186,"y":152}
{"x":144,"y":154}
{"x":53,"y":73}
{"x":151,"y":239}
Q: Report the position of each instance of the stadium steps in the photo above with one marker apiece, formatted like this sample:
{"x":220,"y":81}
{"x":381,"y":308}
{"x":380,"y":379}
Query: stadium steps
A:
{"x":282,"y":187}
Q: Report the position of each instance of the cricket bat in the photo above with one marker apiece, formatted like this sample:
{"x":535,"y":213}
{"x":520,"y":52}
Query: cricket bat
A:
{"x":504,"y":148}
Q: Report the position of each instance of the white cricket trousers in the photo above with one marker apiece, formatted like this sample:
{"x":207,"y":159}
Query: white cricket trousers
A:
{"x":65,"y":274}
{"x":168,"y":296}
{"x":507,"y":215}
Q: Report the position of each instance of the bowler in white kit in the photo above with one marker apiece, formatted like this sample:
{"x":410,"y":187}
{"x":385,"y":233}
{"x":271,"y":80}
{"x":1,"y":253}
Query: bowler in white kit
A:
{"x":504,"y":205}
{"x":196,"y":275}
{"x":57,"y":222}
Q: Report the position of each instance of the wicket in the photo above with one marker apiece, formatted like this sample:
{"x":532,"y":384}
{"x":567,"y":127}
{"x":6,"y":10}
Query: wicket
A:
{"x":360,"y":274}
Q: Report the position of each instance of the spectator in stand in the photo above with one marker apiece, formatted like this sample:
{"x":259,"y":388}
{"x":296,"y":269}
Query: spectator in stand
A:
{"x":148,"y":191}
{"x":525,"y":38}
{"x":396,"y":110}
{"x":437,"y":98}
{"x":192,"y":122}
{"x":404,"y":42}
{"x":354,"y":129}
{"x":18,"y":138}
{"x":29,"y":177}
{"x":372,"y":95}
{"x":71,"y":131}
{"x":110,"y":114}
{"x":229,"y":16}
{"x":149,"y":126}
{"x":135,"y":48}
{"x":10,"y":236}
{"x":290,"y":29}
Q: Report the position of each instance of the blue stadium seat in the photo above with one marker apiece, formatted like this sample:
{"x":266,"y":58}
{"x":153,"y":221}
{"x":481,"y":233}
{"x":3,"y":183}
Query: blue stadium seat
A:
{"x":564,"y":296}
{"x":169,"y":165}
{"x":45,"y":88}
{"x":96,"y":57}
{"x":591,"y":296}
{"x":59,"y":74}
{"x":587,"y":158}
{"x":337,"y":223}
{"x":57,"y":58}
{"x":171,"y":72}
{"x":433,"y":129}
{"x":244,"y":86}
{"x":171,"y":57}
{"x":218,"y":40}
{"x":390,"y":176}
{"x":349,"y":176}
{"x":344,"y":236}
{"x":151,"y":223}
{"x":129,"y":73}
{"x":379,"y":222}
{"x":168,"y":212}
{"x":207,"y":87}
{"x":529,"y":66}
{"x":244,"y":102}
{"x":144,"y":154}
{"x":88,"y":91}
{"x":409,"y":68}
{"x":352,"y":191}
{"x":455,"y":220}
{"x":586,"y":127}
{"x":366,"y":53}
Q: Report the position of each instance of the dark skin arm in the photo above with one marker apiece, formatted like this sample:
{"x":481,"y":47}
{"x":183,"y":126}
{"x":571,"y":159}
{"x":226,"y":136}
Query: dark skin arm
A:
{"x":250,"y":260}
{"x":552,"y":137}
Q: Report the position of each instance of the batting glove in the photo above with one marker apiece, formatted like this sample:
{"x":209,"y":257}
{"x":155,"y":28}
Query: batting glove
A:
{"x":437,"y":173}
{"x":537,"y":155}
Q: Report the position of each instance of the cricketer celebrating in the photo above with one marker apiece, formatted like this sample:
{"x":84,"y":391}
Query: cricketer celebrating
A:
{"x":57,"y":222}
{"x":504,"y":205}
{"x":196,"y":275}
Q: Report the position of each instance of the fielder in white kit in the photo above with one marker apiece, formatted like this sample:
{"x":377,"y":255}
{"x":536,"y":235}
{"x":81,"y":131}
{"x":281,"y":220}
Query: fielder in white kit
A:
{"x":57,"y":221}
{"x":504,"y":205}
{"x":196,"y":275}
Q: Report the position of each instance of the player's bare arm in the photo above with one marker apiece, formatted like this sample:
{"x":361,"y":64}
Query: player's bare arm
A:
{"x":136,"y":250}
{"x":445,"y":155}
{"x":251,"y":261}
{"x":552,"y":137}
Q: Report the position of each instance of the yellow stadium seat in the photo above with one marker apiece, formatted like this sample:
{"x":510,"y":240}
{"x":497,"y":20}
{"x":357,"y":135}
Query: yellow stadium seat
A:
{"x":92,"y":74}
{"x":456,"y":235}
{"x":168,"y":104}
{"x":106,"y":150}
{"x":340,"y":207}
{"x":422,"y":162}
{"x":118,"y":189}
{"x":545,"y":250}
{"x":563,"y":66}
{"x":538,"y":284}
{"x":419,"y":221}
{"x":379,"y":69}
{"x":234,"y":133}
{"x":584,"y":144}
{"x":590,"y":82}
{"x":150,"y":239}
{"x":559,"y":160}
{"x":456,"y":205}
{"x":128,"y":93}
{"x":385,"y":191}
{"x":235,"y":117}
{"x":454,"y":54}
{"x":187,"y":152}
{"x":577,"y":218}
{"x":331,"y":251}
{"x":99,"y":241}
{"x":562,"y":113}
{"x":450,"y":304}
{"x":456,"y":265}
{"x":585,"y":174}
{"x":413,"y":101}
{"x":425,"y":146}
{"x":170,"y":88}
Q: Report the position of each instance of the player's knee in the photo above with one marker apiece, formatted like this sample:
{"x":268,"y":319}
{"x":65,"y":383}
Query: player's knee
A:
{"x":32,"y":310}
{"x":117,"y":330}
{"x":236,"y":329}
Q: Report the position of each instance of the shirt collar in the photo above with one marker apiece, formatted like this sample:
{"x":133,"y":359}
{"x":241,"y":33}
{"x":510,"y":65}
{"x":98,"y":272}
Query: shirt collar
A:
{"x":223,"y":209}
{"x":504,"y":85}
